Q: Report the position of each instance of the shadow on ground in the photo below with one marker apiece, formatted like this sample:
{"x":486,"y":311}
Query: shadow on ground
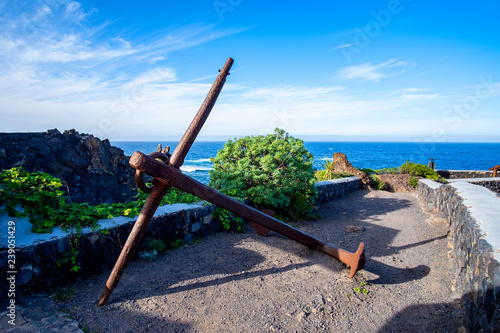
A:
{"x":426,"y":318}
{"x":234,"y":263}
{"x":224,"y":259}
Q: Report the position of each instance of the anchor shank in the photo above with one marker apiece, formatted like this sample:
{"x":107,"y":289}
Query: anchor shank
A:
{"x":172,"y":176}
{"x":204,"y":192}
{"x":177,"y":158}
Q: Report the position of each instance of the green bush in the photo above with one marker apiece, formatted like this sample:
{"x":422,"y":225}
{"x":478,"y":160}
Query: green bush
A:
{"x":177,"y":244}
{"x":271,"y":171}
{"x":37,"y":196}
{"x":416,"y":169}
{"x":368,"y":171}
{"x":303,"y":209}
{"x":383,"y":171}
{"x":376,"y":183}
{"x":411,"y":168}
{"x":156,"y":244}
{"x":413,"y":182}
{"x":229,"y":220}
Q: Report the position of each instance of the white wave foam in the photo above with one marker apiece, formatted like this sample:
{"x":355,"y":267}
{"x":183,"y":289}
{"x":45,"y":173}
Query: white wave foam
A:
{"x":191,"y":168}
{"x":201,"y":160}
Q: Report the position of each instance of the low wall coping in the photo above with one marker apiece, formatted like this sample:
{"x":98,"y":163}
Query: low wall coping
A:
{"x":24,"y":236}
{"x":483,"y":205}
{"x":429,"y":182}
{"x":472,"y":180}
{"x":336,"y":181}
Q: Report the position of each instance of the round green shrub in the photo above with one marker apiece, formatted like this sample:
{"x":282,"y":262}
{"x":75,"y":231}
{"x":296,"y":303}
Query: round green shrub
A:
{"x":272,"y":171}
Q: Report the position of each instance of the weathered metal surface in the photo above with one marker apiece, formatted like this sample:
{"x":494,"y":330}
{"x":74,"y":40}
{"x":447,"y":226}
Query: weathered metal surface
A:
{"x":160,"y":188}
{"x":166,"y":174}
{"x":171,"y":176}
{"x":139,"y":180}
{"x":187,"y":140}
{"x":134,"y":239}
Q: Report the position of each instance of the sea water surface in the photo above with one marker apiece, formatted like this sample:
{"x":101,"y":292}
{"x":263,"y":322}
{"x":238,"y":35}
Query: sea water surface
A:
{"x":374,"y":155}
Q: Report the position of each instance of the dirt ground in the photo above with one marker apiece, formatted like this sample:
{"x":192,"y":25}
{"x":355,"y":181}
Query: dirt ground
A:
{"x":234,"y":282}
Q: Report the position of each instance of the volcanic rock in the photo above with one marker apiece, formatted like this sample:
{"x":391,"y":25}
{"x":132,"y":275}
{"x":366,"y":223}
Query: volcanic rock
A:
{"x":92,"y":170}
{"x":341,"y":164}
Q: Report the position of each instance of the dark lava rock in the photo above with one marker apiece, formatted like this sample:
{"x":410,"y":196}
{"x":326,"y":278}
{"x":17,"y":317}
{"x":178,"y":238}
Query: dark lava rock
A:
{"x":92,"y":169}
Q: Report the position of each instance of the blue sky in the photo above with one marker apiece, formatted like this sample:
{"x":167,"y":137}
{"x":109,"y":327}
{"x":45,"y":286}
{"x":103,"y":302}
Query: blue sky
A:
{"x":367,"y":70}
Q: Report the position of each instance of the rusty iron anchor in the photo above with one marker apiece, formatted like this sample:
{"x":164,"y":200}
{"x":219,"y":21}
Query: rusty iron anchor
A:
{"x":166,"y":174}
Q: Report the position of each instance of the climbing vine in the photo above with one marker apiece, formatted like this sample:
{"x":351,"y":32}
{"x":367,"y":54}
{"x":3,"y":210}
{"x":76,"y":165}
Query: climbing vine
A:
{"x":38,"y":197}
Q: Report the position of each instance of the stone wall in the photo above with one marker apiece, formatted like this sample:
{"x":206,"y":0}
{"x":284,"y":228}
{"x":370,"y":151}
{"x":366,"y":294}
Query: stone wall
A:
{"x":38,"y":264}
{"x":460,"y":174}
{"x":329,"y":190}
{"x":93,"y":170}
{"x":493,"y":185}
{"x":472,"y":213}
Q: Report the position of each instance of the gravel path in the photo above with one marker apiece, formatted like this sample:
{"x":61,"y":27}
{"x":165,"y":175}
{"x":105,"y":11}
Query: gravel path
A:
{"x":234,"y":282}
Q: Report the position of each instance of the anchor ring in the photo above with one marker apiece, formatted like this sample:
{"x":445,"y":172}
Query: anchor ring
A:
{"x":139,"y":179}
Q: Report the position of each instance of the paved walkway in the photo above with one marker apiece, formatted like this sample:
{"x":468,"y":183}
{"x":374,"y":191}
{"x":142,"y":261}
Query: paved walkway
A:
{"x":37,"y":314}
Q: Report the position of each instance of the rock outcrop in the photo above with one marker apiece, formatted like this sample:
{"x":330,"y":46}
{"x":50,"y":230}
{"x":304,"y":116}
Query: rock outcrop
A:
{"x":397,"y":182}
{"x":92,"y":169}
{"x":341,"y":164}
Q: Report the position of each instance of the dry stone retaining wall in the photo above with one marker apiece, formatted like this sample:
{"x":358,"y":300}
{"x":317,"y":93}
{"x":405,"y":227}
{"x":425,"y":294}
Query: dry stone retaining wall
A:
{"x":97,"y":252}
{"x":460,"y":174}
{"x":472,"y":214}
{"x":38,"y":263}
{"x":490,"y":184}
{"x":329,"y":190}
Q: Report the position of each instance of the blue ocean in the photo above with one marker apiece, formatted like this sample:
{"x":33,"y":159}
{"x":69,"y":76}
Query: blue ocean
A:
{"x":374,"y":155}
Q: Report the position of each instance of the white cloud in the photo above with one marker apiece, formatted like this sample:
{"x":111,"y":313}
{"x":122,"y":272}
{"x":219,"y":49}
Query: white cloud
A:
{"x":343,"y":46}
{"x":57,"y":71}
{"x":415,"y":89}
{"x":371,"y":72}
{"x":419,"y":96}
{"x":56,"y":68}
{"x":157,"y":58}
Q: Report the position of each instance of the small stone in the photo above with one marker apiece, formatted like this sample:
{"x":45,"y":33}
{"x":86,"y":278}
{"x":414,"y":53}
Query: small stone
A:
{"x":207,"y":219}
{"x":353,"y":228}
{"x":24,"y":275}
{"x":94,"y":238}
{"x":302,"y":315}
{"x":195,"y":227}
{"x":319,"y":298}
